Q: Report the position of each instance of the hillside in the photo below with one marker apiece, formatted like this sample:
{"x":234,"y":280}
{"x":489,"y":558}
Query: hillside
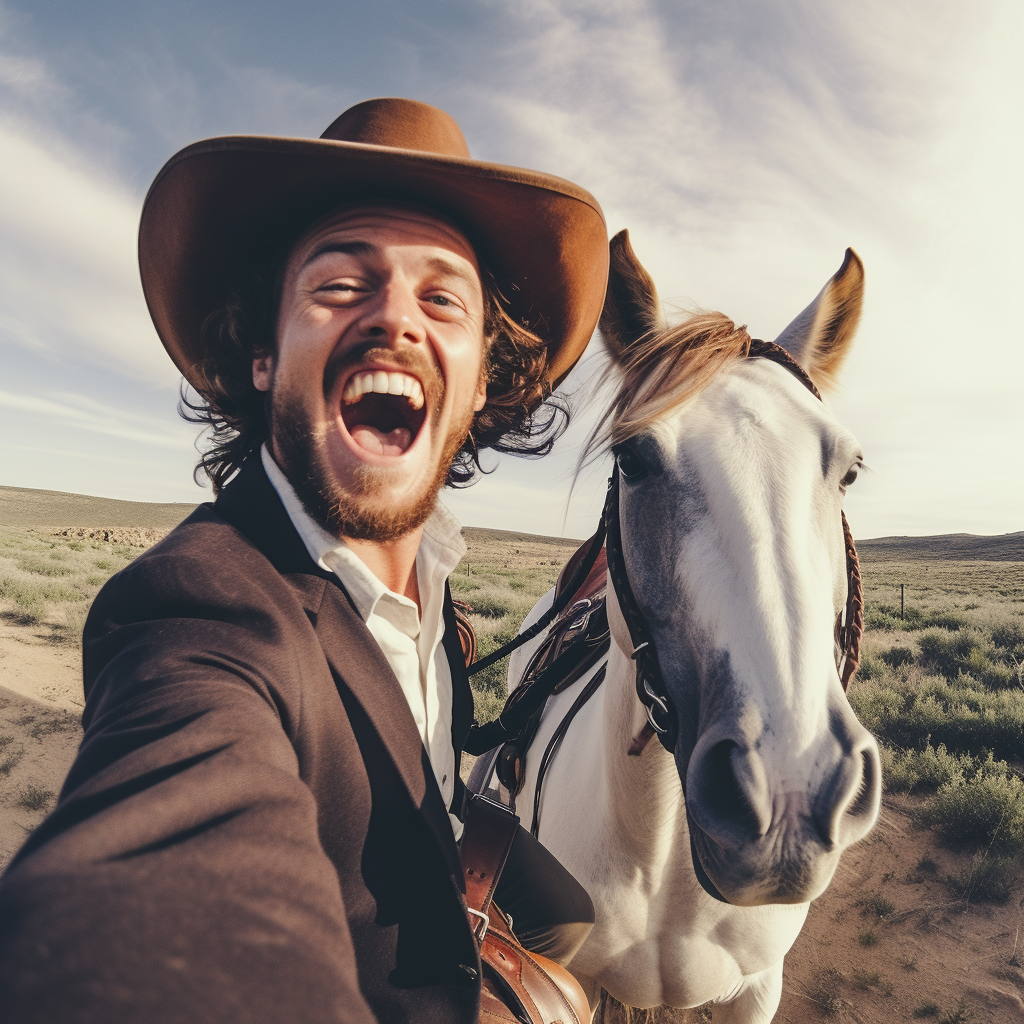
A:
{"x":961,"y":547}
{"x":26,"y":506}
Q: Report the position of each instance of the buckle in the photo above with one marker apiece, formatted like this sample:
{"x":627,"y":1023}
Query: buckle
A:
{"x":477,"y":934}
{"x":656,"y":700}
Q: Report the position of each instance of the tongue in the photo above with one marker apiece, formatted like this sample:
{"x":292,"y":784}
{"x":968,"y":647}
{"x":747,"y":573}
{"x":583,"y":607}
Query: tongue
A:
{"x":394,"y":442}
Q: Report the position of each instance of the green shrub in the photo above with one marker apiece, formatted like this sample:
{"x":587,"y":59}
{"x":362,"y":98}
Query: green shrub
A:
{"x":985,"y":812}
{"x":492,"y":679}
{"x":44,"y":567}
{"x":897,"y":657}
{"x":967,"y":651}
{"x":487,"y":705}
{"x":922,"y":771}
{"x":963,"y":714}
{"x":31,"y":597}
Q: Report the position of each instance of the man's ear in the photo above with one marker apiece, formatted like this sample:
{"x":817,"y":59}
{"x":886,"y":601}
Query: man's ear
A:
{"x":262,"y":372}
{"x":480,"y":399}
{"x":819,"y":338}
{"x":631,"y":307}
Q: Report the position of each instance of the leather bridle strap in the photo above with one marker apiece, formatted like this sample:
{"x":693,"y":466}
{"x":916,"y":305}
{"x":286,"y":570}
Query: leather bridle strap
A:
{"x":850,"y":622}
{"x":650,"y":687}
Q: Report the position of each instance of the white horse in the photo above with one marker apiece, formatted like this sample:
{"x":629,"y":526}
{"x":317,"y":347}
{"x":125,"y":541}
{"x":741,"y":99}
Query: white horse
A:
{"x":732,"y":476}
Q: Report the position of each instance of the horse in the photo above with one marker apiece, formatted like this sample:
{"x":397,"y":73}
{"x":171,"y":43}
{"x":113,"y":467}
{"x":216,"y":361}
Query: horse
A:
{"x":703,"y":851}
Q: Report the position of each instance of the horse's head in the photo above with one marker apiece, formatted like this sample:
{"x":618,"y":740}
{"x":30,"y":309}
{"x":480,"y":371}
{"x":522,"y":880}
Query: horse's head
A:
{"x":732,"y":475}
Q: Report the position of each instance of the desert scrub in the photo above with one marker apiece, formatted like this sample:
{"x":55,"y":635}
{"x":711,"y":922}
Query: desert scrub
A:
{"x":963,"y":714}
{"x":826,"y":990}
{"x":968,"y":651}
{"x":45,"y":566}
{"x":34,"y":798}
{"x":983,"y":812}
{"x":10,"y":759}
{"x":876,"y":905}
{"x":922,"y":771}
{"x":31,"y":598}
{"x":50,"y":578}
{"x":988,"y":879}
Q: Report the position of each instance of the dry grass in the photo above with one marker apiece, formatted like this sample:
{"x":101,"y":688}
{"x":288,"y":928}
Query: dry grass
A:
{"x":51,"y":578}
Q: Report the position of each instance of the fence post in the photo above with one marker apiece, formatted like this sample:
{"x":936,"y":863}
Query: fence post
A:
{"x":901,"y":600}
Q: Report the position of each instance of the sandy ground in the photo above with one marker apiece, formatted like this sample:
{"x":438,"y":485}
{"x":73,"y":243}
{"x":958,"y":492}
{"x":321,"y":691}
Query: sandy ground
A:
{"x":931,"y":957}
{"x":40,"y":709}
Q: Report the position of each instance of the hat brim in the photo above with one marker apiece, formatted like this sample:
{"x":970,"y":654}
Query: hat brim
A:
{"x":222,"y":207}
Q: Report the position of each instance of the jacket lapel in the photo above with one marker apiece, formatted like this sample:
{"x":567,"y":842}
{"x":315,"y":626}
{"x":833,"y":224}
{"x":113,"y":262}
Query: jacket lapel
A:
{"x":251,"y":504}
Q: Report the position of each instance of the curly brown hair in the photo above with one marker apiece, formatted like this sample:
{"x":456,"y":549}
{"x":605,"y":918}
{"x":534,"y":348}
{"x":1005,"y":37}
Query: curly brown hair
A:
{"x":520,"y":417}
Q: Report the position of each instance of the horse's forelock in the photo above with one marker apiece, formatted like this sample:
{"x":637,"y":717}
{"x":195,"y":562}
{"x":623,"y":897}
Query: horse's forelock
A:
{"x":664,"y":370}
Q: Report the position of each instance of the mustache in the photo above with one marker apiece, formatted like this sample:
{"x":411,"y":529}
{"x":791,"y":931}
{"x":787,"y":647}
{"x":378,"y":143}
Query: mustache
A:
{"x":414,"y":360}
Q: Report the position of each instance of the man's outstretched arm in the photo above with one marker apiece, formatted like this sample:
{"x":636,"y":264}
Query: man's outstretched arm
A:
{"x":181,"y":877}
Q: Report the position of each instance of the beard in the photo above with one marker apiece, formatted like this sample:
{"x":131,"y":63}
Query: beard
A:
{"x":360,"y":511}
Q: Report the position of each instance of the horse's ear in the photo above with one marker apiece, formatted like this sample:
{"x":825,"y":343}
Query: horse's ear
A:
{"x":631,"y":308}
{"x":819,"y":338}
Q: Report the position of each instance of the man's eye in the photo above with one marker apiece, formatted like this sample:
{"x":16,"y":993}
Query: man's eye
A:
{"x":440,"y":300}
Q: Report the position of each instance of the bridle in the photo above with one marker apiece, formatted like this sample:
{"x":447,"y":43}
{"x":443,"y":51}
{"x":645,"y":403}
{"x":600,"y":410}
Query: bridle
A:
{"x":650,"y":686}
{"x":527,"y":701}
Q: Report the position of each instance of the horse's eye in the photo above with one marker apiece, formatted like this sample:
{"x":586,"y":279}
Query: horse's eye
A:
{"x":850,"y":477}
{"x":631,"y":466}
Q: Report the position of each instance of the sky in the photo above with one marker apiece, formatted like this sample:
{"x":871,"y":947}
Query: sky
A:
{"x":744,"y":143}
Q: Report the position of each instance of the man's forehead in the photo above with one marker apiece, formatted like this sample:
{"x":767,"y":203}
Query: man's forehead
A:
{"x":385,"y":223}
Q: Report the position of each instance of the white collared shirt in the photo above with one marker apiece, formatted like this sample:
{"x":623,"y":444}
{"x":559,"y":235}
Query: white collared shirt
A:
{"x":411,"y":643}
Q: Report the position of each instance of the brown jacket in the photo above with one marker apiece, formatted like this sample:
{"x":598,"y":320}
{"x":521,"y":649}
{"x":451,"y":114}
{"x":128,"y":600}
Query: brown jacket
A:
{"x":251,"y":830}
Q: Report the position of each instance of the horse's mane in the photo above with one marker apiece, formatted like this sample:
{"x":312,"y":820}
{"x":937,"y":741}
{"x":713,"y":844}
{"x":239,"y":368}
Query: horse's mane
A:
{"x":664,"y":369}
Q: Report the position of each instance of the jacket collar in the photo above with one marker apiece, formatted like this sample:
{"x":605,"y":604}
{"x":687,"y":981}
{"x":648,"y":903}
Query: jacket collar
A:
{"x":251,"y":504}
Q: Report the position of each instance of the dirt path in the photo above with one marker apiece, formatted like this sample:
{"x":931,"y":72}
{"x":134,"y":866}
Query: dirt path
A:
{"x":40,"y":709}
{"x":889,"y":941}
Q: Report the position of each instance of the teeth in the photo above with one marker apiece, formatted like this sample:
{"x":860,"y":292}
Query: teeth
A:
{"x":383,"y":383}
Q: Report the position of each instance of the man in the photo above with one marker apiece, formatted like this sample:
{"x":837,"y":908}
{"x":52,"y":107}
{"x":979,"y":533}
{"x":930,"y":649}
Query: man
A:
{"x":261,"y":823}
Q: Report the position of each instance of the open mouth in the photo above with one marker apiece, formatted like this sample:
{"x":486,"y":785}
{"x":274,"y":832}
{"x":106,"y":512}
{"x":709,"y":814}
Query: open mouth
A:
{"x":383,"y":410}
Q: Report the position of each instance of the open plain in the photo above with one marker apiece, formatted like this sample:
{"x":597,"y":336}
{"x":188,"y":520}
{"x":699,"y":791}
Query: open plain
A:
{"x":923,"y":920}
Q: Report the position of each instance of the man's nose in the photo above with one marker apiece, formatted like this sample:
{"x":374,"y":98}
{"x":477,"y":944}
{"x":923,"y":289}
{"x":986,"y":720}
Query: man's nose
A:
{"x":394,"y":316}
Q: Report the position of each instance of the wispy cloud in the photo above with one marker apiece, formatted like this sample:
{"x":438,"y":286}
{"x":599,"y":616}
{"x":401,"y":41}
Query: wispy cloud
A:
{"x":78,"y":412}
{"x":68,"y":265}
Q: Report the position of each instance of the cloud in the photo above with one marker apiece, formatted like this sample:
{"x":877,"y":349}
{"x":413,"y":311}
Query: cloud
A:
{"x":78,"y":412}
{"x":68,"y":271}
{"x":746,"y":145}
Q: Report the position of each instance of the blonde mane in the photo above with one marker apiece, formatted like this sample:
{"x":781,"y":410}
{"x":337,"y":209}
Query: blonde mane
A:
{"x":665,"y":369}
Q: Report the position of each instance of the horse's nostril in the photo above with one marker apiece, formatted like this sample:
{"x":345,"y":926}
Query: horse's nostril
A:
{"x":724,"y":791}
{"x":846,"y":808}
{"x":864,"y":799}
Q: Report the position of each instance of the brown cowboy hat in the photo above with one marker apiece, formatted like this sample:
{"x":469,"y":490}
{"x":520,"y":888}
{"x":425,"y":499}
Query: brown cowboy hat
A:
{"x":222,"y":207}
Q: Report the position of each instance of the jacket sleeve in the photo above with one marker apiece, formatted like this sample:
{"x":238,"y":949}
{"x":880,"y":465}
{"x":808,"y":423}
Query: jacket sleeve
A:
{"x":181,"y":876}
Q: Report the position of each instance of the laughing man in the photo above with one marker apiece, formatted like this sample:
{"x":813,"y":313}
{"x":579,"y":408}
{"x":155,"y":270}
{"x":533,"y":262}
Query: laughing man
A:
{"x":261,"y":823}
